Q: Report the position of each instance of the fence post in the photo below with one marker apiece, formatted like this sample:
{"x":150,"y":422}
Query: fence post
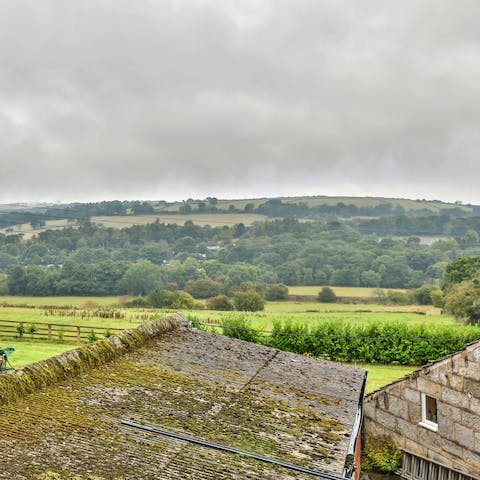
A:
{"x":49,"y":331}
{"x":78,"y":334}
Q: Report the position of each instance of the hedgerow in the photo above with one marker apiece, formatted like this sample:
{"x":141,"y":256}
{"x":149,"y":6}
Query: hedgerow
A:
{"x":377,"y":342}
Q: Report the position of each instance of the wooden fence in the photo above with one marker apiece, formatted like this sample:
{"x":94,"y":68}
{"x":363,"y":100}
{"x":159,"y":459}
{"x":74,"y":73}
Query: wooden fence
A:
{"x":53,"y":331}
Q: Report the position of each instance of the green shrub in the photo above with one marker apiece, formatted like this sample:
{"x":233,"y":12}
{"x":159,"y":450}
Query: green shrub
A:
{"x":92,"y":336}
{"x":138,"y":302}
{"x":276,"y":291}
{"x":326,"y":295}
{"x":425,"y":294}
{"x":394,"y":297}
{"x":382,"y":458}
{"x":220,"y":302}
{"x":239,"y":327}
{"x":249,"y":301}
{"x":169,"y":299}
{"x":32,"y":329}
{"x":20,"y":330}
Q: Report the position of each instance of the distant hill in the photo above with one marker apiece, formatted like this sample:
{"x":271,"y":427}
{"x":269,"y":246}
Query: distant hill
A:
{"x":29,"y":219}
{"x":409,"y":205}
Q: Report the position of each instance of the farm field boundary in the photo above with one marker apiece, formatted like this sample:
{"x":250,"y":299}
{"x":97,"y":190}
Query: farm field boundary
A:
{"x":54,"y":331}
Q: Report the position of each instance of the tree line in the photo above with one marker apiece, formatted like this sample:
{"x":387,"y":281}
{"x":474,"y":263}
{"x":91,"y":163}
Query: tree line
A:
{"x":93,"y":260}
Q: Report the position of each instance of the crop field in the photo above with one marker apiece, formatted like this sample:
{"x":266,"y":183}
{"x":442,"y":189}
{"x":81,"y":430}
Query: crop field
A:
{"x":59,"y":301}
{"x":313,"y":313}
{"x":352,"y":292}
{"x":104,"y":318}
{"x":312,"y":307}
{"x":28,"y":231}
{"x":211,"y":219}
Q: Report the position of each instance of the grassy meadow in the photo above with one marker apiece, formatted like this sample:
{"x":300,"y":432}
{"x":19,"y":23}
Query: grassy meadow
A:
{"x":381,"y":375}
{"x":28,"y":351}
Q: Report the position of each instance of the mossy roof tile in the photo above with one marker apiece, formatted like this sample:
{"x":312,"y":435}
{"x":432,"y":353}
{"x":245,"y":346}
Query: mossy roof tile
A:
{"x":285,"y":406}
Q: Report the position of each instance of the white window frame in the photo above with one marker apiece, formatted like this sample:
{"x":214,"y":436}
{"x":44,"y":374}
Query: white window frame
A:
{"x":425,"y":422}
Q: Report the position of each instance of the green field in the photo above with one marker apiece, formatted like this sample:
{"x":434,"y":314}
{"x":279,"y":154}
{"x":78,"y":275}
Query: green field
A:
{"x":29,"y":351}
{"x":311,"y":313}
{"x":381,"y":375}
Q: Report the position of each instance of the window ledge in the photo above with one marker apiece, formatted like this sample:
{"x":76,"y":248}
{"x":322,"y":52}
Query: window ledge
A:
{"x":429,"y":426}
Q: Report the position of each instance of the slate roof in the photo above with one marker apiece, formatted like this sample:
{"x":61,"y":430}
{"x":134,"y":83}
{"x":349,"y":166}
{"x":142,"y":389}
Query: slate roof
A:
{"x":281,"y":405}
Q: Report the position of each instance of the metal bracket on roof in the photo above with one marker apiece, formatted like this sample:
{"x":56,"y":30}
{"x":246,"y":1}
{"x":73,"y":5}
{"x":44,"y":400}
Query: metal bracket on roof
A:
{"x":225,"y":448}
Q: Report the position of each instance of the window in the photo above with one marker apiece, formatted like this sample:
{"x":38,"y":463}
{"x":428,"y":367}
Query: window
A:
{"x":429,"y":412}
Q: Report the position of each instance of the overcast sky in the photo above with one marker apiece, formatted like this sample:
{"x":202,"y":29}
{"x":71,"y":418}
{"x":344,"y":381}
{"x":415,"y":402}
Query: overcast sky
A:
{"x":170,"y":99}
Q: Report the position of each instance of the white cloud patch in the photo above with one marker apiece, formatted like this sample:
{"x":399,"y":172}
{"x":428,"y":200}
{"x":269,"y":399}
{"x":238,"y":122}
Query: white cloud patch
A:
{"x":186,"y":98}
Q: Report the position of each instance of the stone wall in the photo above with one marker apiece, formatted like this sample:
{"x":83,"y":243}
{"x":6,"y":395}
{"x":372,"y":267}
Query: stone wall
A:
{"x":30,"y":378}
{"x":394,"y":412}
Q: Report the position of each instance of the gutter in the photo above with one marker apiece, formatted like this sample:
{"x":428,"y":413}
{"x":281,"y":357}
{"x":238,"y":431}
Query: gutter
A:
{"x":350,"y":466}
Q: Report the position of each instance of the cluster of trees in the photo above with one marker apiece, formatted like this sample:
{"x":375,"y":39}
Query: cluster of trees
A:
{"x":461,"y":285}
{"x":209,"y":261}
{"x":249,"y":300}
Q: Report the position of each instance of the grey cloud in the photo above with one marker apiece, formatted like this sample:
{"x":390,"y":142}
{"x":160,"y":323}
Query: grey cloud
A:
{"x":173,"y":99}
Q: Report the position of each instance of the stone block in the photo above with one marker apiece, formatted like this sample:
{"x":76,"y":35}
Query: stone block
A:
{"x":408,"y":429}
{"x":416,"y":448}
{"x":472,"y":371}
{"x":398,"y":406}
{"x":473,"y":461}
{"x":477,"y":441}
{"x":369,"y":410}
{"x":454,"y":398}
{"x":427,"y":386}
{"x":445,"y":426}
{"x":373,"y":430}
{"x":441,"y":373}
{"x":429,"y":439}
{"x":472,"y":420}
{"x":439,"y":457}
{"x":459,"y":366}
{"x":475,"y":405}
{"x":472,"y":387}
{"x":452,"y":448}
{"x":456,"y":382}
{"x":464,"y":435}
{"x":411,"y":395}
{"x":452,"y":413}
{"x":387,"y":419}
{"x":474,"y":352}
{"x":414,"y":412}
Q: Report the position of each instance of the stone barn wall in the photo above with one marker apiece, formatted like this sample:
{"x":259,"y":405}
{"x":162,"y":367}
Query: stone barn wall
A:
{"x":395,"y":412}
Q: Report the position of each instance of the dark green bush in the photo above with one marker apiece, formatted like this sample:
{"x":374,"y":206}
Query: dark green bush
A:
{"x":138,"y":302}
{"x":326,"y":295}
{"x":249,"y":301}
{"x":220,"y":302}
